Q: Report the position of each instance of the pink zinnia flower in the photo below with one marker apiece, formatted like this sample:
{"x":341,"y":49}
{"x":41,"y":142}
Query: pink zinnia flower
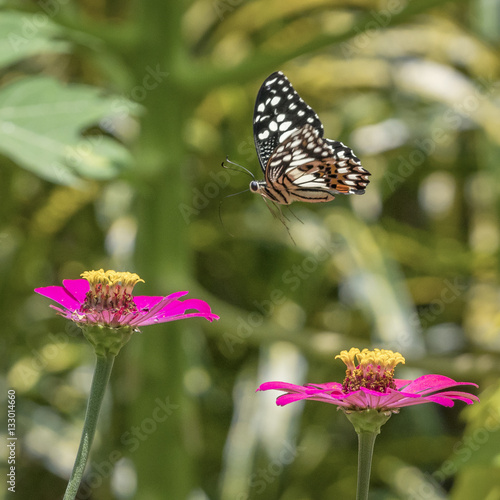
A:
{"x":104,"y":298}
{"x":370,"y":385}
{"x":102,"y":305}
{"x":369,"y":396}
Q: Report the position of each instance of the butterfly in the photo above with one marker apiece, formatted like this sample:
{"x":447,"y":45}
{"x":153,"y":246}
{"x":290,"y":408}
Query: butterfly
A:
{"x":299,"y":164}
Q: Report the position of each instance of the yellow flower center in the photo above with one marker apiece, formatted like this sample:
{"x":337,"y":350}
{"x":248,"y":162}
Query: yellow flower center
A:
{"x":110,"y":291}
{"x":373,"y":370}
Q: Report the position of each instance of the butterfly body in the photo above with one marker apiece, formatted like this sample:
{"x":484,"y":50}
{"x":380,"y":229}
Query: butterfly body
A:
{"x":299,"y":164}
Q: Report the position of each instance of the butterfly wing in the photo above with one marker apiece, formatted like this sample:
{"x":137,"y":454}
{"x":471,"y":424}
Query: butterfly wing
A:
{"x":311,"y":168}
{"x":352,"y":178}
{"x":279,"y":112}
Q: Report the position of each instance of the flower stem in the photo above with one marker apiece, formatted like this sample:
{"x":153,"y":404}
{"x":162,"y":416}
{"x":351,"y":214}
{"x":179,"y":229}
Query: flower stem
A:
{"x":103,"y":367}
{"x":366,"y":443}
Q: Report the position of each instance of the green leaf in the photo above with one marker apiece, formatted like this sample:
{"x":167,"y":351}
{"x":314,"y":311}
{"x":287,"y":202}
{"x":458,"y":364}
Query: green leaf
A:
{"x":41,"y":122}
{"x":26,"y":34}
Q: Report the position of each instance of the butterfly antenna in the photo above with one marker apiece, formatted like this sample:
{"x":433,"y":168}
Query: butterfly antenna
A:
{"x":244,"y":169}
{"x":220,"y":208}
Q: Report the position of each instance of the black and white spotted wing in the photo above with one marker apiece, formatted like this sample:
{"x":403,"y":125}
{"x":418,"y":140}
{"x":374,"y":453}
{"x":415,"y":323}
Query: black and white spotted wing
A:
{"x":298,"y":163}
{"x":279,"y":110}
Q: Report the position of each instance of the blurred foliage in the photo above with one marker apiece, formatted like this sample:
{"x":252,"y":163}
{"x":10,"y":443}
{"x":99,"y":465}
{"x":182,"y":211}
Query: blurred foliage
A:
{"x":114,"y":120}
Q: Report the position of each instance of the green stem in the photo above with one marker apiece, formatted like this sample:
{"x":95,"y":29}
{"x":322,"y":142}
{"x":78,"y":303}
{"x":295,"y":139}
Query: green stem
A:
{"x":366,"y":442}
{"x":100,"y":380}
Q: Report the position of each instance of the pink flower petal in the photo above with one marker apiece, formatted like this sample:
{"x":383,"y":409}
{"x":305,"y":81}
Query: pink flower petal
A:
{"x":329,"y":386}
{"x":148,"y":302}
{"x":432,"y":383}
{"x":280,"y":386}
{"x":286,"y":399}
{"x":443,"y":401}
{"x":60,"y":295}
{"x":66,"y":313}
{"x":180,"y":307}
{"x":400,"y":382}
{"x":452,"y":395}
{"x":208,"y":316}
{"x":78,"y":288}
{"x":170,"y":309}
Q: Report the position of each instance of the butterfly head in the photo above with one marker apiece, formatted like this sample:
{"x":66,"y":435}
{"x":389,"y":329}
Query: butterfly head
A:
{"x":255,"y":186}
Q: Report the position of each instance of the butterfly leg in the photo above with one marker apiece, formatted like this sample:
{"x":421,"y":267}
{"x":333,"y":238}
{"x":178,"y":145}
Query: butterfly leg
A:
{"x":278,"y":214}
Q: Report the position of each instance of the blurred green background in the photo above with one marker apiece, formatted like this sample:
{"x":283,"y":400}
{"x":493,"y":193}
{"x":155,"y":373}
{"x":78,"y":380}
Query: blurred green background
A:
{"x":114,"y":120}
